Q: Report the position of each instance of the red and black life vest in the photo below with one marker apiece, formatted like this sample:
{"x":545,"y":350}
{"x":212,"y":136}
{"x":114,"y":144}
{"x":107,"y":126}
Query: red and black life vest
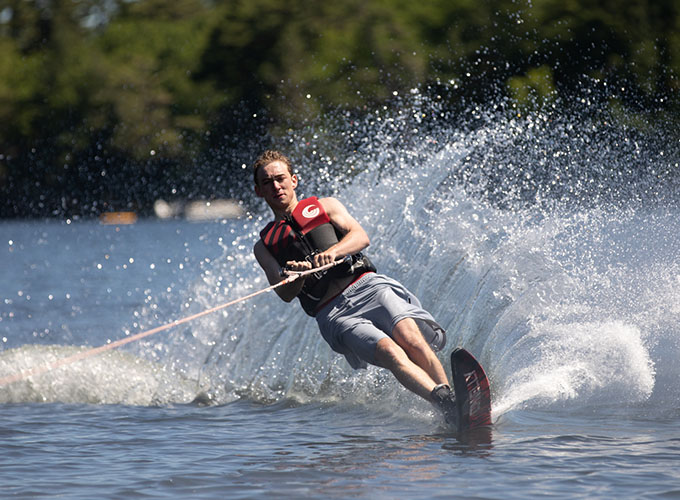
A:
{"x":300,"y":236}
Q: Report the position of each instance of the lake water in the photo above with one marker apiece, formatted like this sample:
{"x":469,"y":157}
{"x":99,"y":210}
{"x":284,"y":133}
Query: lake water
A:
{"x":573,"y":310}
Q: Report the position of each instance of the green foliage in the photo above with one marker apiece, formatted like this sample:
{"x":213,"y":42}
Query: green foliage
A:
{"x":20,"y":81}
{"x":139,"y":81}
{"x":533,"y":89}
{"x":148,"y":95}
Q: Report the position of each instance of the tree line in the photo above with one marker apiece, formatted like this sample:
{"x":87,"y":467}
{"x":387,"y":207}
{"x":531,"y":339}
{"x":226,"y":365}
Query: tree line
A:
{"x":110,"y":104}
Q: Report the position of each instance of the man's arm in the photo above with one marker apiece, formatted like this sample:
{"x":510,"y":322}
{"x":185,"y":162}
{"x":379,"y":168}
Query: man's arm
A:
{"x":273,"y":272}
{"x":354,"y":237}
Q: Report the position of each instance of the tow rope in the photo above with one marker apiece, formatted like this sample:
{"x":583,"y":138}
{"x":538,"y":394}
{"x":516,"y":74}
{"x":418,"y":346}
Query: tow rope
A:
{"x":291,"y":276}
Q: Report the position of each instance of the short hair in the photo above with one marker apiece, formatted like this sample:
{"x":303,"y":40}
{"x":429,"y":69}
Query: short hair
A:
{"x":266,"y":158}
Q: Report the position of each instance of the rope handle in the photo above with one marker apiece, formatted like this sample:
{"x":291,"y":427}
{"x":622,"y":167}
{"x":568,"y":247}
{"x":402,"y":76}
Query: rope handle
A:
{"x":288,"y":272}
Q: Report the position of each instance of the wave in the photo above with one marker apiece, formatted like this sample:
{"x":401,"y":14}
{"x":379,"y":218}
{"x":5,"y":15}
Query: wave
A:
{"x":564,"y":286}
{"x":115,"y":377}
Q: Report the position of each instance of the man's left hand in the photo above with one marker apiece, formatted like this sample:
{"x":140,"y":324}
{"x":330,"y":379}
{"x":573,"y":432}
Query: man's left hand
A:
{"x":323,"y":258}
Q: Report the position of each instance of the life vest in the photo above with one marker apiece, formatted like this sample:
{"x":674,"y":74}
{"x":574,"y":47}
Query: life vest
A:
{"x":305,"y":233}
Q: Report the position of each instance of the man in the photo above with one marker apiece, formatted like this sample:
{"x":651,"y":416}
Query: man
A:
{"x":366,"y":316}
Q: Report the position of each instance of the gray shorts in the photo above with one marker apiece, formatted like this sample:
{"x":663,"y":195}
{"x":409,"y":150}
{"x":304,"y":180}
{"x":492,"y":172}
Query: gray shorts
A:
{"x":366,"y":312}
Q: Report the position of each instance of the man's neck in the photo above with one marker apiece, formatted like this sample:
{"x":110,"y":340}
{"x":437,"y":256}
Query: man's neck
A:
{"x":282,"y":213}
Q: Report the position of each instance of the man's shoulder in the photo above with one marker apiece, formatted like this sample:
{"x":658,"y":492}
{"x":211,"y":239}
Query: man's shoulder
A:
{"x":328,"y":199}
{"x":331,"y":204}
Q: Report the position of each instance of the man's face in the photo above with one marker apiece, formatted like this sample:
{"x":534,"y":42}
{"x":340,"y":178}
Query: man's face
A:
{"x":276,"y":185}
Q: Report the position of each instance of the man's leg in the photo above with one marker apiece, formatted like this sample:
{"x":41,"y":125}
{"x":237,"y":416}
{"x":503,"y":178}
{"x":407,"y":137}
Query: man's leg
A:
{"x":408,"y":336}
{"x":388,"y":354}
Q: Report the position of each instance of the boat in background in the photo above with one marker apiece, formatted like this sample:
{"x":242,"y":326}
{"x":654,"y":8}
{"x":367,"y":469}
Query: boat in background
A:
{"x":118,"y":218}
{"x":203,"y":210}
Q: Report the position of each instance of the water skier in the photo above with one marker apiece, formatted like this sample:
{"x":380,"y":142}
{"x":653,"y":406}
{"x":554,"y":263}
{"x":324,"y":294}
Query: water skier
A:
{"x":363,"y":315}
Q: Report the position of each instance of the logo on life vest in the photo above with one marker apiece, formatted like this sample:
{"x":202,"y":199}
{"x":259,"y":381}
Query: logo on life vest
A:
{"x":310,"y":211}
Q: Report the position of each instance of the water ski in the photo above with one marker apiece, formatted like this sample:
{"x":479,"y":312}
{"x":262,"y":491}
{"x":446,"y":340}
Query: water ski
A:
{"x":473,"y":398}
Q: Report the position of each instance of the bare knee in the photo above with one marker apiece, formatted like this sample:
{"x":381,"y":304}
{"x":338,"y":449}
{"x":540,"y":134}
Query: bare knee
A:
{"x":407,"y":334}
{"x":388,"y":354}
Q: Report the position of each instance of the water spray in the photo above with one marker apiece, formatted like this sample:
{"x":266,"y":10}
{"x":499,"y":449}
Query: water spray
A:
{"x":291,"y":276}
